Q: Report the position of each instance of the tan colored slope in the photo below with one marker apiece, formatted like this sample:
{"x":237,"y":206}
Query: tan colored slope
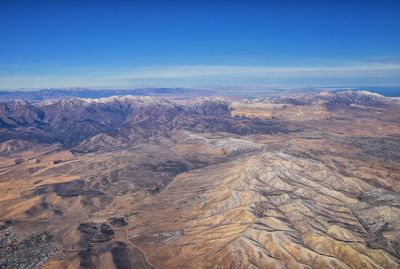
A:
{"x":267,"y":211}
{"x":324,"y":196}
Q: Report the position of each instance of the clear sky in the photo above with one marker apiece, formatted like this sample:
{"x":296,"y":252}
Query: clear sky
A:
{"x":121,"y":44}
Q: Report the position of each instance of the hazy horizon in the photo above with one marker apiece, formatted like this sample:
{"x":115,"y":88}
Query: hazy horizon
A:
{"x":197,"y":44}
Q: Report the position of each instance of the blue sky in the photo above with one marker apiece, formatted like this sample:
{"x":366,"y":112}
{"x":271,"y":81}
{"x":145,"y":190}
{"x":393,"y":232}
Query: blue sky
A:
{"x":118,"y":44}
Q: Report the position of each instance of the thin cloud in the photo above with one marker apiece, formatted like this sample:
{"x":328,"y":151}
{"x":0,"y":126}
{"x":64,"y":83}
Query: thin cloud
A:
{"x":204,"y":70}
{"x":202,"y":75}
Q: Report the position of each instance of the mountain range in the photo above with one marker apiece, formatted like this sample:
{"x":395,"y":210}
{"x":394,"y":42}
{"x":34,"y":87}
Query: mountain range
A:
{"x":177,"y":181}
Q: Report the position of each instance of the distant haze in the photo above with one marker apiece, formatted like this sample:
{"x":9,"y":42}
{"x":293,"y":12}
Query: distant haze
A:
{"x":117,"y":44}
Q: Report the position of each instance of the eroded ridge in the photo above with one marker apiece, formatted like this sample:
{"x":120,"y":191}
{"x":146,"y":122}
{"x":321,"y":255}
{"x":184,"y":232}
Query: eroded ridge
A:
{"x":147,"y":182}
{"x":273,"y":211}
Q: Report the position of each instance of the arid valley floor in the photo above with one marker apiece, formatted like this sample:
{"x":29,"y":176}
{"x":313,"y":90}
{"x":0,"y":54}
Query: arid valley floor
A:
{"x":311,"y":181}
